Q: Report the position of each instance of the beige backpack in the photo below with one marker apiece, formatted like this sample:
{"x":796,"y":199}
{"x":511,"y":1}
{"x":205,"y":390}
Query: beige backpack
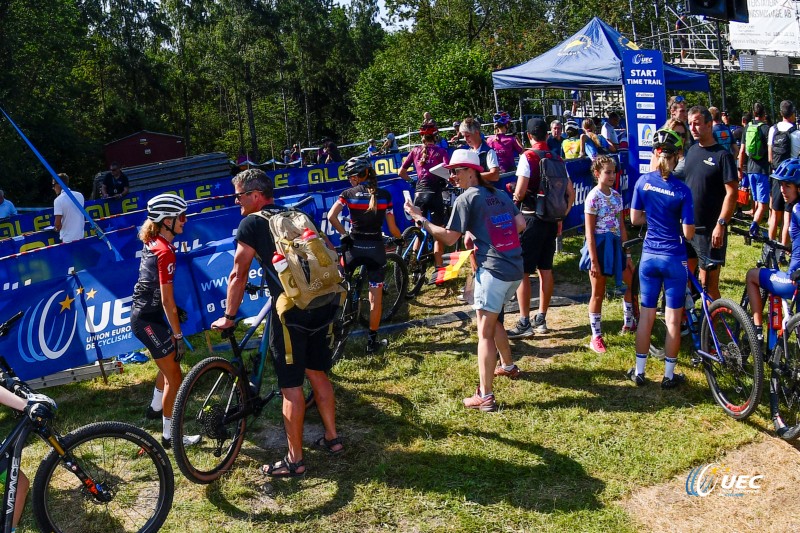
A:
{"x":313,"y":269}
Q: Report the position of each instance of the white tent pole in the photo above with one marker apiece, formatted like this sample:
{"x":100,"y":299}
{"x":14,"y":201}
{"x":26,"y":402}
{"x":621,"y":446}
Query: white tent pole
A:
{"x":496,"y":104}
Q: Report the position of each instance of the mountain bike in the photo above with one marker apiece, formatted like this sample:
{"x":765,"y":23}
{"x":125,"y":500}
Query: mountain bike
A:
{"x":724,"y":342}
{"x":782,"y":351}
{"x":106,"y":476}
{"x":417,"y":252}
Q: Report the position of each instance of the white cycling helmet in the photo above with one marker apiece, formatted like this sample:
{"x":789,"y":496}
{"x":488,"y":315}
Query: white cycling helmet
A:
{"x":165,"y":206}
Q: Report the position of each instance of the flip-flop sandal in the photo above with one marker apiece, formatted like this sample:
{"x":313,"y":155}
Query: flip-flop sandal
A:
{"x":291,"y":468}
{"x":322,"y":442}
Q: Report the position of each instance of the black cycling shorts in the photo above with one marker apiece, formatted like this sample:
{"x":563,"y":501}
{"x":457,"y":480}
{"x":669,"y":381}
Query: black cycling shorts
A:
{"x":309,"y":336}
{"x":431,"y":203}
{"x":371,"y":254}
{"x":777,"y":203}
{"x":153,"y":331}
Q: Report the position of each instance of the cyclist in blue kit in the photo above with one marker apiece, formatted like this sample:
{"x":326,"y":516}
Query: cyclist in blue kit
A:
{"x":778,"y":282}
{"x":665,"y":204}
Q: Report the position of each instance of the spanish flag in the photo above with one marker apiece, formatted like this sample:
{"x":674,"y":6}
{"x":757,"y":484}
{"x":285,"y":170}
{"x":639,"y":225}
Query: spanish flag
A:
{"x":452,"y":265}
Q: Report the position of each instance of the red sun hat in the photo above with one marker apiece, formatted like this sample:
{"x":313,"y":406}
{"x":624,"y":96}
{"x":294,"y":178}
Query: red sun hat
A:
{"x":465,"y":158}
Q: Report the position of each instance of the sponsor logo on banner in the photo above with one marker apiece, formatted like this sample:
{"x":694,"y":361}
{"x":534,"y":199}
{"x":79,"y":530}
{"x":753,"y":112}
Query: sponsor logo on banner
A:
{"x":645,"y":95}
{"x":646,"y":132}
{"x":646,"y":116}
{"x":644,"y":168}
{"x":642,"y":59}
{"x":645,"y":105}
{"x":704,"y":479}
{"x":645,"y":156}
{"x":49,"y":328}
{"x":575,"y":46}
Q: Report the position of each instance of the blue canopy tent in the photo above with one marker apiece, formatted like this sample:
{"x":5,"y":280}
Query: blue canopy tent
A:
{"x":589,"y":60}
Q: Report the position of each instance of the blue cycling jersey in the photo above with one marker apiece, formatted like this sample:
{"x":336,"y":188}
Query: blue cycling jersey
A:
{"x":667,"y":204}
{"x":794,"y":234}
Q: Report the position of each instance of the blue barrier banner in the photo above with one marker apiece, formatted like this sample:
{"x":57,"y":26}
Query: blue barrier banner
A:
{"x":318,"y":178}
{"x":75,"y":320}
{"x":645,"y":95}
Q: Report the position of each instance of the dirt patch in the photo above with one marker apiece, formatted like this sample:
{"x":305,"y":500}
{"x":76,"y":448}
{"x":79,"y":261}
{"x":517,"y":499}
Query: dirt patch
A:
{"x":668,"y":507}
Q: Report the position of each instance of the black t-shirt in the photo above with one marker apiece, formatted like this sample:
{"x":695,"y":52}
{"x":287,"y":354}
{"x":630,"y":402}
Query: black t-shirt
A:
{"x":115,"y":186}
{"x":707,"y":171}
{"x":254,"y":232}
{"x":367,"y":225}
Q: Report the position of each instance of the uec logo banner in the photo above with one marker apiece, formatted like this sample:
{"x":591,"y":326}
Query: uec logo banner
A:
{"x":705,"y":479}
{"x":74,"y":320}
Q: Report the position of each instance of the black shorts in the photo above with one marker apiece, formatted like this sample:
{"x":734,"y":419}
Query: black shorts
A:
{"x":538,"y":242}
{"x":309,"y":333}
{"x":683,"y":42}
{"x":777,"y":203}
{"x":433,"y":203}
{"x":700,"y":248}
{"x":371,"y":254}
{"x":153,"y":331}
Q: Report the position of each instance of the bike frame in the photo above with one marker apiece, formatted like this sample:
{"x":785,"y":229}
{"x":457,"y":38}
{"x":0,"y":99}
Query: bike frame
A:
{"x":13,"y":443}
{"x":694,"y":327}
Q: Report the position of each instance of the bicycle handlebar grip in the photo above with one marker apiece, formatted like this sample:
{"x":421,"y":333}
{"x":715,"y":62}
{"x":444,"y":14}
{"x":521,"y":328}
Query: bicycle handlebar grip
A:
{"x":631,"y":242}
{"x":6,"y":326}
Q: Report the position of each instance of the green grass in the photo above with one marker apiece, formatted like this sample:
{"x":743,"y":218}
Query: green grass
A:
{"x":571,"y":438}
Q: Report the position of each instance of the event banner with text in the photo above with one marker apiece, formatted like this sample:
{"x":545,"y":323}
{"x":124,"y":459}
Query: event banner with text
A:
{"x":645,"y":106}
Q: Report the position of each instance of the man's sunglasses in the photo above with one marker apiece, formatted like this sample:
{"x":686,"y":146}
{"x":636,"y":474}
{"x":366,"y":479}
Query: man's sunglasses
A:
{"x":238,"y":195}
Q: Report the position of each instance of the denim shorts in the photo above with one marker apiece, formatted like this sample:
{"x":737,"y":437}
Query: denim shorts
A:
{"x":491,"y":294}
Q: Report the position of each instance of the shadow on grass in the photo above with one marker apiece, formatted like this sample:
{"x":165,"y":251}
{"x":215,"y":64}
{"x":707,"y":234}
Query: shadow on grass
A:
{"x":609,"y":390}
{"x":532,"y":477}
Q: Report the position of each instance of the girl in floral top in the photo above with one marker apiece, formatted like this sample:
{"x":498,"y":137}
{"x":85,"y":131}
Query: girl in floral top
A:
{"x":602,"y":255}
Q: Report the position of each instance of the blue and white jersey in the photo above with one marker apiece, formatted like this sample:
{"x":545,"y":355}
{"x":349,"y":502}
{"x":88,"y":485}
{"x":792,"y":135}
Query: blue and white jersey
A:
{"x":667,"y":205}
{"x":794,"y":234}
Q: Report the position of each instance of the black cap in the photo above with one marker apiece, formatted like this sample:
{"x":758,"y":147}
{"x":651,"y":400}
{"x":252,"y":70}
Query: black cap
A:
{"x":537,"y":127}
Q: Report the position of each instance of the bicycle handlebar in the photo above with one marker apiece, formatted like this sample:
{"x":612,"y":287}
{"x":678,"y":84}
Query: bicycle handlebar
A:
{"x":760,"y":238}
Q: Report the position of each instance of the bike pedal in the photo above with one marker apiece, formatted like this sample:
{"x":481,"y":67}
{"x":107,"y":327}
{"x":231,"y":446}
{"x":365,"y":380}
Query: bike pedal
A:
{"x":696,"y":361}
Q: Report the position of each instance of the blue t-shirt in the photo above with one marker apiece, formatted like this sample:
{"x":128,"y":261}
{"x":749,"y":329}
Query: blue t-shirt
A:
{"x":667,"y":205}
{"x":794,"y":234}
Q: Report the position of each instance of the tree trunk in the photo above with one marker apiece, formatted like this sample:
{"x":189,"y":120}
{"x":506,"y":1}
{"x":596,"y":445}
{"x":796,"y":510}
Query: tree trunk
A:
{"x":251,"y":119}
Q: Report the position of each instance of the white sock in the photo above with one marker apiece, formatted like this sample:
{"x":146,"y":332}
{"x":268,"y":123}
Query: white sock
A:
{"x":641,"y":361}
{"x":669,"y":367}
{"x":594,"y":322}
{"x":167,"y":431}
{"x":509,"y":368}
{"x":155,"y":405}
{"x":627,"y":313}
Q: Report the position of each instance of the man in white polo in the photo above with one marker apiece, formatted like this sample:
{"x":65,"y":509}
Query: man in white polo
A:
{"x":69,"y":219}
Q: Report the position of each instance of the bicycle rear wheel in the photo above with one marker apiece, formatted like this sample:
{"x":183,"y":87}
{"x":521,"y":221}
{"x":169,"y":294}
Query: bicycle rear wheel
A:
{"x":211,"y":402}
{"x":395,"y":284}
{"x":125,"y":461}
{"x":784,"y":389}
{"x":417,"y":268}
{"x":736,"y":383}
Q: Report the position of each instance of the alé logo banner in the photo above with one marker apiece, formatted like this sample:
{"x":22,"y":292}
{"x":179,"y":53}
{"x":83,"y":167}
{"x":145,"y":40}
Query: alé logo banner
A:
{"x":721,"y":480}
{"x":645,"y":95}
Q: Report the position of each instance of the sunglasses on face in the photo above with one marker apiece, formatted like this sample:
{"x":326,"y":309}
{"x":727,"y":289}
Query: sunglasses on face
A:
{"x":239,"y":195}
{"x":182,"y":218}
{"x":455,"y":171}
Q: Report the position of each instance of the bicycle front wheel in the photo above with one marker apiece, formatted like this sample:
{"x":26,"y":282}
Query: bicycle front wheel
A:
{"x":132,"y":469}
{"x":736,"y":379}
{"x":212,"y":403}
{"x":784,"y":386}
{"x":417,"y":267}
{"x":395,"y":282}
